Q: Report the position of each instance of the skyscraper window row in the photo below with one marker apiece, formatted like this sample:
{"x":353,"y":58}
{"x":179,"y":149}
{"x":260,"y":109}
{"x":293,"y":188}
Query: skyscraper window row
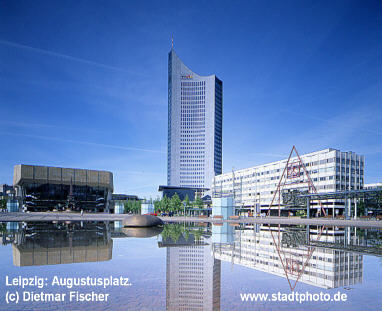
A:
{"x":196,"y":152}
{"x":188,"y":119}
{"x":192,"y":158}
{"x":192,"y":143}
{"x":195,"y":136}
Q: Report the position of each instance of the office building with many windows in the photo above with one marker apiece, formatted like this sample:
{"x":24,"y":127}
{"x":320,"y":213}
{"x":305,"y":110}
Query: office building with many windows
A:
{"x":194,"y":153}
{"x":330,"y":170}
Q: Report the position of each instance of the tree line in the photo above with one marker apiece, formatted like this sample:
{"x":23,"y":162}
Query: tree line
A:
{"x":132,"y":206}
{"x":174,"y":231}
{"x":165,"y":205}
{"x":175,"y":204}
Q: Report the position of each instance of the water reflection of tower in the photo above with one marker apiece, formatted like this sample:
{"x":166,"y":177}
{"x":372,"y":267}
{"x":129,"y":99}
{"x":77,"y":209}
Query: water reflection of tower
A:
{"x":192,"y":275}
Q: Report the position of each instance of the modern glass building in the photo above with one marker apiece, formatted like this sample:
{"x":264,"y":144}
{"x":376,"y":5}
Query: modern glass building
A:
{"x":195,"y":102}
{"x":44,"y":188}
{"x":44,"y":243}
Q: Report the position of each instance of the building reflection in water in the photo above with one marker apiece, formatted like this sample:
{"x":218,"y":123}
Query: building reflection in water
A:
{"x":315,"y":256}
{"x":192,"y":273}
{"x":37,"y":244}
{"x":325,"y":257}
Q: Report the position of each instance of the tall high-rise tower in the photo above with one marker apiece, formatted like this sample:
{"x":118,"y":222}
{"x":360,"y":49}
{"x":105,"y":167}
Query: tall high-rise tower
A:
{"x":195,"y":115}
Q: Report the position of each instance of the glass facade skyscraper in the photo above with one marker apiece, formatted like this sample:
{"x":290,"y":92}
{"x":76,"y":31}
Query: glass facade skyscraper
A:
{"x":195,"y":113}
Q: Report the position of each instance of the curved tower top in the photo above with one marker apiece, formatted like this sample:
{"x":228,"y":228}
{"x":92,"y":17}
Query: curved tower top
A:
{"x":183,"y":69}
{"x":194,"y":153}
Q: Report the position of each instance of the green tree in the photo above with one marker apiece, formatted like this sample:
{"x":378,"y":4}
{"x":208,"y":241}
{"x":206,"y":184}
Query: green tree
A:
{"x":3,"y":204}
{"x":137,"y":207}
{"x":301,"y":213}
{"x":172,"y":231}
{"x":176,"y":203}
{"x":198,"y":203}
{"x":186,"y":234}
{"x":176,"y":232}
{"x":157,"y":206}
{"x":361,"y":208}
{"x":187,"y":202}
{"x":165,"y":204}
{"x":197,"y":234}
{"x":165,"y":232}
{"x":3,"y":228}
{"x":128,"y":207}
{"x":132,"y":206}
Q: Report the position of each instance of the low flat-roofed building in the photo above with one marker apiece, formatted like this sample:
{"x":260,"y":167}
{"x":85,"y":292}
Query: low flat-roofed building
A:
{"x":5,"y":190}
{"x":117,"y":203}
{"x":377,"y":185}
{"x":330,"y":170}
{"x":42,"y":188}
{"x":124,"y":197}
{"x":182,"y":192}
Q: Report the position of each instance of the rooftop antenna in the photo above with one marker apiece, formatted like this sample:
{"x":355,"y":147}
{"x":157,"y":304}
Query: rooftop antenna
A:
{"x":172,"y":42}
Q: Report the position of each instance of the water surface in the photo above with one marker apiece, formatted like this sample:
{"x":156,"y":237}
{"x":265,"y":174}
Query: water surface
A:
{"x":191,"y":267}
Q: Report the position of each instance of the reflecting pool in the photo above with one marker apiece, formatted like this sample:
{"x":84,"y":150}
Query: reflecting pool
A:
{"x":189,"y":266}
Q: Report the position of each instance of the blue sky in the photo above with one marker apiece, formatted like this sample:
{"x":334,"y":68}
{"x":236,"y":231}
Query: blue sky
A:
{"x":84,"y":83}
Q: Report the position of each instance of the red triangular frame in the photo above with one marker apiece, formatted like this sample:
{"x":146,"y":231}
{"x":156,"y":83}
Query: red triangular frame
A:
{"x":285,"y":177}
{"x":281,"y":252}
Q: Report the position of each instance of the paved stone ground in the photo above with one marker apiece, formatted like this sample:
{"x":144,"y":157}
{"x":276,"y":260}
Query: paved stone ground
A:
{"x":117,"y":217}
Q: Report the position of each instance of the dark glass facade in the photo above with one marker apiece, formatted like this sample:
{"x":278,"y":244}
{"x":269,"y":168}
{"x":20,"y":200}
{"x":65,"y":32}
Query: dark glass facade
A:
{"x":218,"y":126}
{"x":45,"y":197}
{"x":43,"y":188}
